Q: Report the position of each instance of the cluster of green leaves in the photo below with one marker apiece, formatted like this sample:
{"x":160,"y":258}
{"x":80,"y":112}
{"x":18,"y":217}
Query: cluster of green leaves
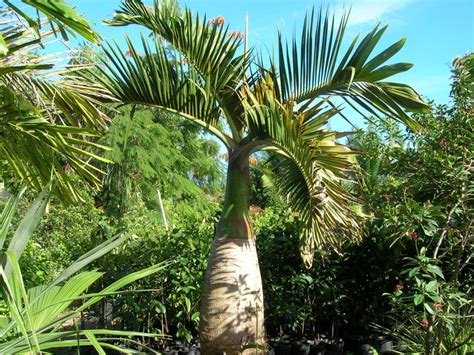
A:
{"x":433,"y":315}
{"x":338,"y":297}
{"x":154,"y":150}
{"x":419,"y":189}
{"x":173,"y":305}
{"x":63,"y":235}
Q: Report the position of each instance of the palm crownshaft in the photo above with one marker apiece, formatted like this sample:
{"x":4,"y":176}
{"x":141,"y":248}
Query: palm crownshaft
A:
{"x":282,"y":108}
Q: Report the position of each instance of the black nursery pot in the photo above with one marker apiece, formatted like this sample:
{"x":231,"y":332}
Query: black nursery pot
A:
{"x":335,"y":348}
{"x":299,"y":348}
{"x":282,"y":348}
{"x":170,"y":352}
{"x":318,"y":348}
{"x":187,"y":351}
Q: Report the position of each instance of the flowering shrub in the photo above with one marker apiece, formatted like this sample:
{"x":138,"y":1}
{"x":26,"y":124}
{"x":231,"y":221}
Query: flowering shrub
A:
{"x":431,"y":314}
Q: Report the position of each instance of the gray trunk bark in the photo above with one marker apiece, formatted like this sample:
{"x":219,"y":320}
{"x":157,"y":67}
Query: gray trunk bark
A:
{"x":232,"y":298}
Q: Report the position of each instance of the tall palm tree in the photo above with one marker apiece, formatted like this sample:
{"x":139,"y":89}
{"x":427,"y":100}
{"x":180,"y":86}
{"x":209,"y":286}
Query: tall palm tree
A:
{"x":48,"y":111}
{"x":196,"y":68}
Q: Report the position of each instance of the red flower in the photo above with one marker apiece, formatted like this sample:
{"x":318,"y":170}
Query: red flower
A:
{"x":219,"y":21}
{"x":387,"y":196}
{"x":443,"y":142}
{"x":413,"y":235}
{"x":438,"y":305}
{"x":253,"y":161}
{"x":424,"y":323}
{"x":236,"y":35}
{"x":129,"y":53}
{"x":399,"y":287}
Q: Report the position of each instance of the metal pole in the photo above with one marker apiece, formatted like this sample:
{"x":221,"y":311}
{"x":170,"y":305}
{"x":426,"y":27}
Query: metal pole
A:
{"x":162,"y":209}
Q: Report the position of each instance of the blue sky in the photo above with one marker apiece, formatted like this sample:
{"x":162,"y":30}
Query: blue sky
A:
{"x":436,"y":30}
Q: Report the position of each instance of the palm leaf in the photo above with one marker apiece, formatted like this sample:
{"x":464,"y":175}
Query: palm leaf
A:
{"x":7,"y":215}
{"x":61,"y":15}
{"x":14,"y":293}
{"x":48,"y":110}
{"x":61,"y":340}
{"x":210,"y":48}
{"x":50,"y":304}
{"x":39,"y":313}
{"x":155,"y":79}
{"x":27,"y":226}
{"x":310,"y":172}
{"x":314,"y":66}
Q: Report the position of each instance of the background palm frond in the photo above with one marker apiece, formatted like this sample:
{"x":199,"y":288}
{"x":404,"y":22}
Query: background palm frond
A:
{"x":49,"y":111}
{"x":62,"y":17}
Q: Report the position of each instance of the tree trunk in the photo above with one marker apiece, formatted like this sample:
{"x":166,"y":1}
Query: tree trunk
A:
{"x":232,"y":298}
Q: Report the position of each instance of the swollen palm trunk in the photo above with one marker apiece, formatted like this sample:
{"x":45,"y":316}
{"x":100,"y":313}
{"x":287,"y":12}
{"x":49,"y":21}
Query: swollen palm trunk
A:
{"x":232,"y":302}
{"x":232,"y":299}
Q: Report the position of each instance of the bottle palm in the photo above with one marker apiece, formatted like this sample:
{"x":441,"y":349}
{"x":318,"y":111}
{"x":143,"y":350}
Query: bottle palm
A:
{"x":196,"y":68}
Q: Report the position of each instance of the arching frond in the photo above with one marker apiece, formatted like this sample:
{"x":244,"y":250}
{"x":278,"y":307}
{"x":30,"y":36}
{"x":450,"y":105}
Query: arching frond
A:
{"x":208,"y":46}
{"x":48,"y":112}
{"x":310,"y":173}
{"x":38,"y":150}
{"x":315,"y":66}
{"x":155,"y":78}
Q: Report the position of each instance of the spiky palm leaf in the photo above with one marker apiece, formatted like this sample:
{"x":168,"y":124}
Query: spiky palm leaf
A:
{"x":315,"y":66}
{"x":35,"y":317}
{"x":155,"y":79}
{"x":311,"y":172}
{"x":210,"y":49}
{"x":282,"y":108}
{"x":63,"y":18}
{"x":48,"y":112}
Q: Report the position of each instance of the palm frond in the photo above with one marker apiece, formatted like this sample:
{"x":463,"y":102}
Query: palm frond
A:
{"x":36,"y":316}
{"x":49,"y":304}
{"x":315,"y":66}
{"x":26,"y":227}
{"x":155,"y":79}
{"x":8,"y":213}
{"x":209,"y":47}
{"x":64,"y":19}
{"x":48,"y":111}
{"x":310,"y":173}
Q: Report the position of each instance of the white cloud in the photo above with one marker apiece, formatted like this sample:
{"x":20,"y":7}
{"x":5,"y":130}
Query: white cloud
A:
{"x":370,"y":11}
